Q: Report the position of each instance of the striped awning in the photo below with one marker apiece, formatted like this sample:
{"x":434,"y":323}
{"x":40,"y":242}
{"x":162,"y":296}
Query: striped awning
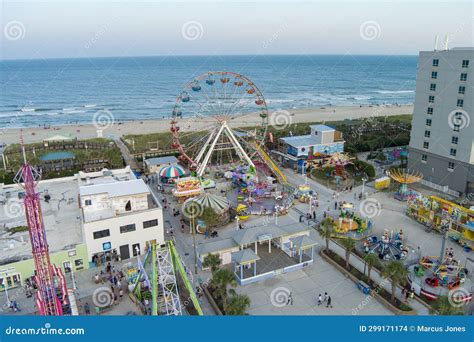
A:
{"x":172,"y":171}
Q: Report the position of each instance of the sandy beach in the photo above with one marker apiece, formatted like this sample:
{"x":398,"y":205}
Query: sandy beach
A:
{"x":117,"y":129}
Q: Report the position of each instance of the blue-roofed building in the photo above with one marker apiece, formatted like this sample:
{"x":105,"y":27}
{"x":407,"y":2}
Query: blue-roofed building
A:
{"x":322,"y":140}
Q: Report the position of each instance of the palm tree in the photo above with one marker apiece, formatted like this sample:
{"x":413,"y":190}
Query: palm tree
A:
{"x":349,"y":245}
{"x":442,"y":306}
{"x":326,"y":231}
{"x":212,"y":261}
{"x":397,"y":273}
{"x":221,"y":280}
{"x":371,"y":260}
{"x":236,"y":304}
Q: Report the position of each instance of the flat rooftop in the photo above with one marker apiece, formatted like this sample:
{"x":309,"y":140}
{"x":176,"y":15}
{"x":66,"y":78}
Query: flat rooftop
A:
{"x":61,"y":218}
{"x":116,"y":188}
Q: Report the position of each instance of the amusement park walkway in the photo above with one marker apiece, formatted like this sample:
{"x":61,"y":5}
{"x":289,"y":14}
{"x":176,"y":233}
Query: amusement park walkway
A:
{"x":356,"y":262}
{"x":127,"y":156}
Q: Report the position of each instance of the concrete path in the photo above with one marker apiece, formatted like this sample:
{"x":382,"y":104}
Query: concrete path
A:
{"x":375,"y":275}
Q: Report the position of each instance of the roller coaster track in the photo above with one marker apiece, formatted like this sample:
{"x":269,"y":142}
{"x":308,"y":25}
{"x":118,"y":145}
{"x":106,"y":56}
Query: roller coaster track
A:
{"x":273,"y":167}
{"x":165,"y":265}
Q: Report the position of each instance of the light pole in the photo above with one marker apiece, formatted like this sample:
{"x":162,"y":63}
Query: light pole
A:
{"x":5,"y":286}
{"x":364,"y":179}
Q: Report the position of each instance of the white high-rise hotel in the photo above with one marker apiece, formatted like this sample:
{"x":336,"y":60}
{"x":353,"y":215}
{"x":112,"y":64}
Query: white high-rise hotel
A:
{"x":442,"y":135}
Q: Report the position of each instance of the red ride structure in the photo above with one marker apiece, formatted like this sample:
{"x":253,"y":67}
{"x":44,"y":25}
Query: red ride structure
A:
{"x":47,"y":300}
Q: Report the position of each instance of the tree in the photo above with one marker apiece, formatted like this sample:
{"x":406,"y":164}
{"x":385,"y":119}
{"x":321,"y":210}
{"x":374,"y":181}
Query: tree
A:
{"x":326,"y":231}
{"x":212,"y":261}
{"x":442,"y":306}
{"x":371,"y":260}
{"x":209,"y":216}
{"x":349,"y":245}
{"x":221,"y":280}
{"x":397,"y":273}
{"x":236,"y":304}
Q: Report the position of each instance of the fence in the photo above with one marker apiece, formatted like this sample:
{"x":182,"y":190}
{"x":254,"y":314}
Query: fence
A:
{"x":441,"y":188}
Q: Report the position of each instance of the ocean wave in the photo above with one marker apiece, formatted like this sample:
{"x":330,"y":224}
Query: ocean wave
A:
{"x":395,"y":91}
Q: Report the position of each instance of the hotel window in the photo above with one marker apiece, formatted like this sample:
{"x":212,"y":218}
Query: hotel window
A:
{"x":434,"y":75}
{"x":461,"y":90}
{"x":101,"y":234}
{"x":465,"y":63}
{"x":435,"y":62}
{"x":432,"y":87}
{"x":451,"y":165}
{"x":427,"y":134}
{"x":424,"y":157}
{"x":150,"y":223}
{"x":431,"y":99}
{"x":128,"y":228}
{"x":88,"y":202}
{"x":426,"y":145}
{"x":429,"y":111}
{"x":428,"y":122}
{"x":463,"y":77}
{"x":452,"y":152}
{"x":460,"y":103}
{"x":454,"y":140}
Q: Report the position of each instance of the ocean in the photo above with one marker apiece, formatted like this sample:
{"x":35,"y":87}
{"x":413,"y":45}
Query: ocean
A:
{"x":66,"y":91}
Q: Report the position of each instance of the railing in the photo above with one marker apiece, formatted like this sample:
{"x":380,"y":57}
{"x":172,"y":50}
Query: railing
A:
{"x":442,"y":188}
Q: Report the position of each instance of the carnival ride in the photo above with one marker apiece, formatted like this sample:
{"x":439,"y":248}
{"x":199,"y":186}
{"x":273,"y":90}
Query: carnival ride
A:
{"x":50,"y":300}
{"x":186,"y":188}
{"x":388,"y":247}
{"x":404,"y":177}
{"x":437,"y":277}
{"x":162,"y":284}
{"x":211,"y":117}
{"x":348,"y":224}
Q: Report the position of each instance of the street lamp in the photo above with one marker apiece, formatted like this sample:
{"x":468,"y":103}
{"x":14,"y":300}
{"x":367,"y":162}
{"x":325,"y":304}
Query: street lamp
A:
{"x":364,"y":179}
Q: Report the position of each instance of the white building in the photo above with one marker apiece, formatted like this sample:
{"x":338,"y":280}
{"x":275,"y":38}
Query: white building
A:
{"x":322,"y":139}
{"x":118,"y":213}
{"x":442,"y":135}
{"x":154,"y":165}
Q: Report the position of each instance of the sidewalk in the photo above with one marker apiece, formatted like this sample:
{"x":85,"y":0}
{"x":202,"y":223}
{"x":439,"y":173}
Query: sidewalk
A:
{"x":375,"y":275}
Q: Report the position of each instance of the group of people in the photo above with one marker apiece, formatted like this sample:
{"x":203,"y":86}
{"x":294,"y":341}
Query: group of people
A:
{"x":325,"y":299}
{"x":321,"y":299}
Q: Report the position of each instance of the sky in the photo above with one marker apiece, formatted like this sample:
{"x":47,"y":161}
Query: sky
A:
{"x":87,"y":28}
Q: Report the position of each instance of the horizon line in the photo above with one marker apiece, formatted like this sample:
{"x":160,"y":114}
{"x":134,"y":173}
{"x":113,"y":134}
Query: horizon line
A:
{"x":217,"y":55}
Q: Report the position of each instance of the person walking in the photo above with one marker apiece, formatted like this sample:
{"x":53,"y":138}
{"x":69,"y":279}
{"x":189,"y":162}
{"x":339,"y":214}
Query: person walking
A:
{"x":320,"y":299}
{"x":290,"y":299}
{"x":326,"y":296}
{"x":328,"y":304}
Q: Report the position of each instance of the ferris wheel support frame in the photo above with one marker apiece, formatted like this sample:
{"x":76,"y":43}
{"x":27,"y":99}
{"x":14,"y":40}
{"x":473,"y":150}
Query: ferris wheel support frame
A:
{"x":210,"y":149}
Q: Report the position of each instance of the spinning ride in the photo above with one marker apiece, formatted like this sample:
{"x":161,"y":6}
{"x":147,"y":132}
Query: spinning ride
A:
{"x":219,"y":117}
{"x":389,"y":247}
{"x":404,"y":177}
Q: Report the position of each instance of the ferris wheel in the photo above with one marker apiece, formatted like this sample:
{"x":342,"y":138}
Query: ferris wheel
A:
{"x":219,"y":117}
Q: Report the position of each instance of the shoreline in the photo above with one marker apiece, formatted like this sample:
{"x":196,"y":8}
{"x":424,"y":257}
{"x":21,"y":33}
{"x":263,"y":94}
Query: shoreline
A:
{"x":148,"y":126}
